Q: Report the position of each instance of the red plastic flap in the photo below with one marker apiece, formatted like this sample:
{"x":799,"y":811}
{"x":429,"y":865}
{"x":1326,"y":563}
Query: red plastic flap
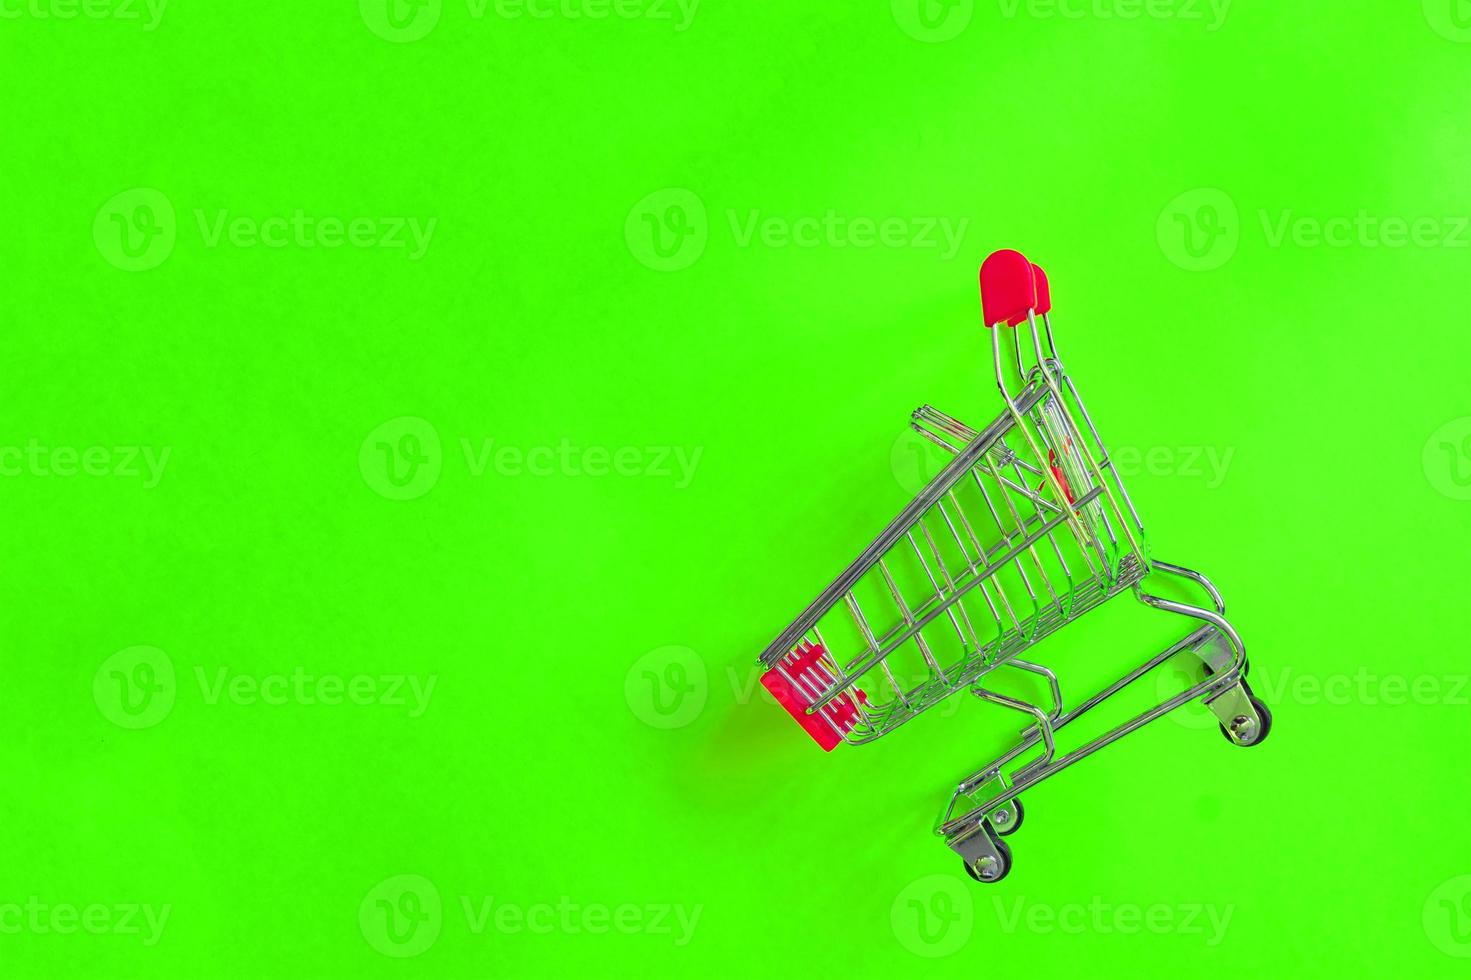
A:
{"x":808,"y":679}
{"x":1044,"y":291}
{"x":1008,"y":289}
{"x":1060,"y":475}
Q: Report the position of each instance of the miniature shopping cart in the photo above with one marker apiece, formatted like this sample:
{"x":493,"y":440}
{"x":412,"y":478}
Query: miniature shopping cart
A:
{"x":1023,"y":531}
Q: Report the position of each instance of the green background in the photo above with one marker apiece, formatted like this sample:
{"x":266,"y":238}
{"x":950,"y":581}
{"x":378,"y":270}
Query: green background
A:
{"x":542,"y":596}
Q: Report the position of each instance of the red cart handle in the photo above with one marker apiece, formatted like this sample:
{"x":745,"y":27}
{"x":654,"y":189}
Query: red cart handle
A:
{"x":1012,"y":287}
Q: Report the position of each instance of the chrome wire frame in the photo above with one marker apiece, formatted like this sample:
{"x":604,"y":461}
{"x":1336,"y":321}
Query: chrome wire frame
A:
{"x":1027,"y":528}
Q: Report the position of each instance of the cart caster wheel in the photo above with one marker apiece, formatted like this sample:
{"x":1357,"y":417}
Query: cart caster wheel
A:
{"x":988,"y":870}
{"x":1247,"y":733}
{"x":1007,"y":819}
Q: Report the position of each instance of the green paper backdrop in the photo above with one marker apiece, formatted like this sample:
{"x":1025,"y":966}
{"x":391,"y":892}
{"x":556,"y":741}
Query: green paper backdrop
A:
{"x":419,"y":415}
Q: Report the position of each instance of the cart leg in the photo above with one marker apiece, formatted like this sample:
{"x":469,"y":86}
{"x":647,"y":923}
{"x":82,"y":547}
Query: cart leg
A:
{"x":1005,"y":817}
{"x":987,"y":857}
{"x":1244,"y":719}
{"x":986,"y":799}
{"x":980,"y":798}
